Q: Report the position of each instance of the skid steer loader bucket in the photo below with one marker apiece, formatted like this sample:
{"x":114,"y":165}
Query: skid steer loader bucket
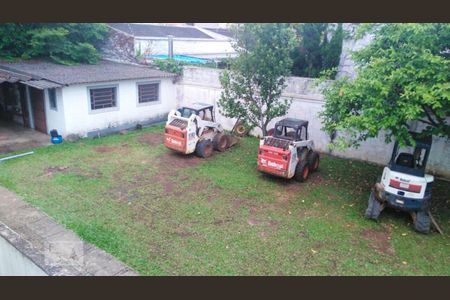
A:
{"x":239,"y":128}
{"x":232,"y":140}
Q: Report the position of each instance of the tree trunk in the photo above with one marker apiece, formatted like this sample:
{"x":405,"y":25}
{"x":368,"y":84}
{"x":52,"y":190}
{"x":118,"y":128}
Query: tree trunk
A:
{"x":264,"y":130}
{"x":263,"y":125}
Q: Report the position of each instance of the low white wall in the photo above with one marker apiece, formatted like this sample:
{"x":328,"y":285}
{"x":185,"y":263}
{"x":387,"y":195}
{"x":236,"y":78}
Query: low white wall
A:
{"x":203,"y":85}
{"x":80,"y":120}
{"x":14,"y":263}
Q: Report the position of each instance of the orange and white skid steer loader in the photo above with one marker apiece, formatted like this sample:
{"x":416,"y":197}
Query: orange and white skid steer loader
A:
{"x":288,"y":152}
{"x":193,"y":129}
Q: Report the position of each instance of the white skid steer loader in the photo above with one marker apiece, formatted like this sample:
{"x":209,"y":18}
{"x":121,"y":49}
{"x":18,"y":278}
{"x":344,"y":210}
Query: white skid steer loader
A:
{"x":192,"y":129}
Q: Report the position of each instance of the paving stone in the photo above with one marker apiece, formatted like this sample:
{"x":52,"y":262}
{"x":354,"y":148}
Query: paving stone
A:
{"x":127,"y":272}
{"x":98,"y":262}
{"x":46,"y":227}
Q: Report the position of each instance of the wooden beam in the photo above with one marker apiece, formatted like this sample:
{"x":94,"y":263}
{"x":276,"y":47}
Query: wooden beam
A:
{"x":30,"y":107}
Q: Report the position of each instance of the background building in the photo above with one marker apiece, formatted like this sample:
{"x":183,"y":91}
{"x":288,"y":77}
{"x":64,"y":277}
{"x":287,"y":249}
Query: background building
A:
{"x":130,"y":40}
{"x":87,"y":100}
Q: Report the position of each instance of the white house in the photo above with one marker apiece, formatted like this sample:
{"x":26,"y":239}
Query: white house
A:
{"x":153,"y":39}
{"x":87,"y":100}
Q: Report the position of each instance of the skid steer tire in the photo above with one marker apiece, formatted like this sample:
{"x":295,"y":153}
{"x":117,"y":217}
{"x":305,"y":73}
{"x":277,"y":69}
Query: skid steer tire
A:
{"x":240,"y":130}
{"x":302,"y":171}
{"x":314,"y":161}
{"x":204,"y":149}
{"x":422,"y":221}
{"x":374,"y":208}
{"x":220,"y":142}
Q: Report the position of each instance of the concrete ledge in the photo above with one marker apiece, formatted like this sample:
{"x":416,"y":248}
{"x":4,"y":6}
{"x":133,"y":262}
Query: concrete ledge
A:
{"x":53,"y":248}
{"x":127,"y":126}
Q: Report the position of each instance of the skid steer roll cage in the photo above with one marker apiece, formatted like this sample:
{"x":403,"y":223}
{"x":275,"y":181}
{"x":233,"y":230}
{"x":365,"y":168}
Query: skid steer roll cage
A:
{"x":416,"y":168}
{"x":299,"y":126}
{"x":198,"y":114}
{"x":198,"y":109}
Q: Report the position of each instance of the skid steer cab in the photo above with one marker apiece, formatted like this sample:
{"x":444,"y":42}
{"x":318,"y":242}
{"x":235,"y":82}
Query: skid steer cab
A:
{"x":193,"y":129}
{"x":404,"y":184}
{"x":288,"y":153}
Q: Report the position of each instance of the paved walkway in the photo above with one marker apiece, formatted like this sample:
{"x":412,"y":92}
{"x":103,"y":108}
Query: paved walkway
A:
{"x":55,"y":249}
{"x":14,"y":137}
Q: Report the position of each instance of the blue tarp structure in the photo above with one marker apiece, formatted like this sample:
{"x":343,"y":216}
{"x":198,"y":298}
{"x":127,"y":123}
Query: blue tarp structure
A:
{"x":183,"y":58}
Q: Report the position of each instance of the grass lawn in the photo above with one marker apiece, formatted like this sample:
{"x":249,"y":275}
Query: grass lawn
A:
{"x":166,"y":214}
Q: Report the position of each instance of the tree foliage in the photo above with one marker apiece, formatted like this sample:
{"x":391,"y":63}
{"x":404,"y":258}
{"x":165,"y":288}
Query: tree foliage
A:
{"x":403,"y":80}
{"x":256,"y":77}
{"x":65,"y":43}
{"x":169,"y":65}
{"x":176,"y":66}
{"x":319,"y":48}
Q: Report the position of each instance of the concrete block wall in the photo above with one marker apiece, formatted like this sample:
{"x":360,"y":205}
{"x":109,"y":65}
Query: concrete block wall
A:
{"x":203,"y":85}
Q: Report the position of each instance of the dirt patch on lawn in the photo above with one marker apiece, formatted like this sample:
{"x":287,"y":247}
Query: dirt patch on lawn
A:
{"x":174,"y":186}
{"x":379,"y":240}
{"x":48,"y":172}
{"x":169,"y":175}
{"x":103,"y":149}
{"x":237,"y":203}
{"x":317,"y":179}
{"x":172,"y":161}
{"x":122,"y":148}
{"x":217,"y":190}
{"x":223,"y":221}
{"x":259,"y":222}
{"x":151,"y":138}
{"x":91,"y":173}
{"x":185,"y":233}
{"x":169,"y":186}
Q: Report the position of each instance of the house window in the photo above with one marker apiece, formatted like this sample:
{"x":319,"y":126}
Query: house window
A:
{"x":52,"y":99}
{"x":148,"y":92}
{"x":103,"y":97}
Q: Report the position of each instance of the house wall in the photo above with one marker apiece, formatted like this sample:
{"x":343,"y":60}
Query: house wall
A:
{"x":203,"y":85}
{"x":80,"y":120}
{"x":205,"y":48}
{"x":55,"y":118}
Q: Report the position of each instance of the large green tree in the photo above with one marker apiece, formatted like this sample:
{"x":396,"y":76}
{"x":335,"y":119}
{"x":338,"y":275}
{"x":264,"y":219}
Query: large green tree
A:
{"x":319,"y":48}
{"x":402,"y":83}
{"x":256,"y":77}
{"x":65,"y":43}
